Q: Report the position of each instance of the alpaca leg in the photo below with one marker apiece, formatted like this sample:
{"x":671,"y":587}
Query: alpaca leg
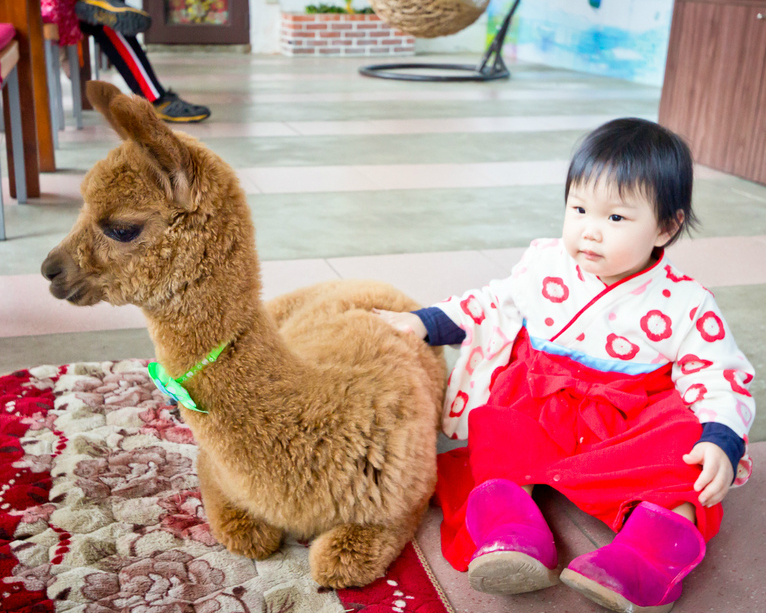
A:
{"x":355,"y":555}
{"x":232,"y":526}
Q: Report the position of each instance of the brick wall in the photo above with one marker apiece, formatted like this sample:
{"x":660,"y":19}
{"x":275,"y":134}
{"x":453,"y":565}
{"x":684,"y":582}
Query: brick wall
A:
{"x":339,"y":34}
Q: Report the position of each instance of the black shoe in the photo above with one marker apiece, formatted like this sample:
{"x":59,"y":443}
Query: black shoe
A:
{"x":171,"y":108}
{"x":114,"y":14}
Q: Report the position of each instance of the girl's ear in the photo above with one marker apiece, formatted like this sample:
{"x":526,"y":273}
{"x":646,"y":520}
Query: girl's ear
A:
{"x":665,"y":236}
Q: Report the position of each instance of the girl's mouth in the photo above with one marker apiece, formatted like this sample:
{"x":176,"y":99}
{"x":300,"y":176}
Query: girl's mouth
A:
{"x":590,"y":255}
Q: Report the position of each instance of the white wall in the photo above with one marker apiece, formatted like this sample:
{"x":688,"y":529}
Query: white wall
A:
{"x":264,"y":28}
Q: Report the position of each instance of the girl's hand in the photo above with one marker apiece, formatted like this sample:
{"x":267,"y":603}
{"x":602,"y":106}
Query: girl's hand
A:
{"x":404,"y":322}
{"x":717,"y":474}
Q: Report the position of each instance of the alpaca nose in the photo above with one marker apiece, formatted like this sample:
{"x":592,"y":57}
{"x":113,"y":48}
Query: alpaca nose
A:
{"x":52,"y":267}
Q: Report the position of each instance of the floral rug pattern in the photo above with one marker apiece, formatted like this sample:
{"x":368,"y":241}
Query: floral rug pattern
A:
{"x":100,"y":512}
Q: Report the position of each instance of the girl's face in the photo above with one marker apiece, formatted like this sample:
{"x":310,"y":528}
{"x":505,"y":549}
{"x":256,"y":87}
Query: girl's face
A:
{"x":609,"y":235}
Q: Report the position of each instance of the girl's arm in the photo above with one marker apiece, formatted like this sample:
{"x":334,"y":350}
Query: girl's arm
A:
{"x":713,"y":376}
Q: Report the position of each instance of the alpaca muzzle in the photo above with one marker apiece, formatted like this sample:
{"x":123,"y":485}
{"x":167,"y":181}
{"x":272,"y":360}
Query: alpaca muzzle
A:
{"x":67,"y":281}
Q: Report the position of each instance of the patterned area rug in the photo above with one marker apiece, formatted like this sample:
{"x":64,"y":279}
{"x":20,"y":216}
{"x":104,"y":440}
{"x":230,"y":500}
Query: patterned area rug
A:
{"x":100,"y":512}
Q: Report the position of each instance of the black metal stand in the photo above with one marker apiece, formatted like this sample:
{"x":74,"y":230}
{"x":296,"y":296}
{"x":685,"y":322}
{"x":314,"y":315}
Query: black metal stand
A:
{"x":488,"y":70}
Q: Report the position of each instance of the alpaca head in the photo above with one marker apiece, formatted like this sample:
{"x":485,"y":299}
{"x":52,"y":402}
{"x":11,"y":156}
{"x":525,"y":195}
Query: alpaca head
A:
{"x":160,"y":213}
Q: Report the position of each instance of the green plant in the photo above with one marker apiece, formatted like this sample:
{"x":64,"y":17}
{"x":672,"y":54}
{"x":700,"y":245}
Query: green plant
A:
{"x":324,"y":8}
{"x":328,"y":8}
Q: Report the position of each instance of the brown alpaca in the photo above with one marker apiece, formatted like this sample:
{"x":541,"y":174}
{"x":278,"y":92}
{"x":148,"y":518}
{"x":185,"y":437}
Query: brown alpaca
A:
{"x":322,"y":419}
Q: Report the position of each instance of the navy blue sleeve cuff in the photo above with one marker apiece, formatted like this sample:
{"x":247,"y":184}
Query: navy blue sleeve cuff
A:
{"x":441,"y":329}
{"x":728,"y":440}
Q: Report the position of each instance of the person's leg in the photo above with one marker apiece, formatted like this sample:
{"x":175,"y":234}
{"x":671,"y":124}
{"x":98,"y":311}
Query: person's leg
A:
{"x":130,"y":60}
{"x":114,"y":14}
{"x":128,"y":57}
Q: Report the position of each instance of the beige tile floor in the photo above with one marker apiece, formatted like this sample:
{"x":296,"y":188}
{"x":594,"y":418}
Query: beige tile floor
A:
{"x":432,"y":187}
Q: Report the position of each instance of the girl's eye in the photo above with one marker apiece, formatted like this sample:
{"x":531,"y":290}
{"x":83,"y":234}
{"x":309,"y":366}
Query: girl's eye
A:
{"x":123,"y":234}
{"x":616,"y":218}
{"x":580,"y":210}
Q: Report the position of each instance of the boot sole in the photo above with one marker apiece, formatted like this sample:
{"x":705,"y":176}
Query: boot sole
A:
{"x":606,"y":597}
{"x":509,"y":572}
{"x":127,"y":21}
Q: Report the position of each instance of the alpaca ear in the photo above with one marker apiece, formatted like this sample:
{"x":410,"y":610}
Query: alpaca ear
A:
{"x":100,"y":94}
{"x":134,"y":119}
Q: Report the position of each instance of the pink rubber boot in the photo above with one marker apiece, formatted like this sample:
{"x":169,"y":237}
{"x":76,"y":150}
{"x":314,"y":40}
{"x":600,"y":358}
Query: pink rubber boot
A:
{"x":515,"y":552}
{"x":641,"y":570}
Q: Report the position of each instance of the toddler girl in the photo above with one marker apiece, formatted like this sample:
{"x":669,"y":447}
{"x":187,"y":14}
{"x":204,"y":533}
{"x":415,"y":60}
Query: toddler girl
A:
{"x":601,"y":370}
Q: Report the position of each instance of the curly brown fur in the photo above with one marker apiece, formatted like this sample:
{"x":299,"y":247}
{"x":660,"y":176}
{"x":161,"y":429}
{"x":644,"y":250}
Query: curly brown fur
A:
{"x":322,"y":420}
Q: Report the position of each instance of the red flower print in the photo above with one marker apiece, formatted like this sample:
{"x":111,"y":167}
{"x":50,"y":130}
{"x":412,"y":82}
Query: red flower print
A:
{"x":692,"y":313}
{"x":474,"y":359}
{"x":579,"y":273}
{"x":472,"y":308}
{"x":695,"y":393}
{"x":690,"y":363}
{"x":581,"y":337}
{"x":554,"y":289}
{"x":674,"y":277}
{"x":458,"y":405}
{"x":656,"y":325}
{"x":711,"y":327}
{"x":620,"y":347}
{"x":731,"y":376}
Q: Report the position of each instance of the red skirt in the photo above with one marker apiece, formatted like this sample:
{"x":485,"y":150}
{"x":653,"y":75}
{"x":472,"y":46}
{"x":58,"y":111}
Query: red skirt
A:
{"x":606,"y":441}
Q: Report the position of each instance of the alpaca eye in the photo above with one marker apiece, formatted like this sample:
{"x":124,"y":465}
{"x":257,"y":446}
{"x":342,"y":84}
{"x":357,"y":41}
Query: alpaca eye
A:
{"x":123,"y":234}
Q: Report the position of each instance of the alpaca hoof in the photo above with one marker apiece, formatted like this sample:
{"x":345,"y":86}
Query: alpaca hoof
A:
{"x":247,"y":537}
{"x":351,"y":555}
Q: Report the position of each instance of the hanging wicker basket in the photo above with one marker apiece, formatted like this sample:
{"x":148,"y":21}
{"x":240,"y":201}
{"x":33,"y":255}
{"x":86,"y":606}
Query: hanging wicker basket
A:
{"x":429,"y":18}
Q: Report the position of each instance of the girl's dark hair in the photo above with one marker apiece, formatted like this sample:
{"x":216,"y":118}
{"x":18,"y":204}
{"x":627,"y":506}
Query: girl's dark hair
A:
{"x":641,"y":156}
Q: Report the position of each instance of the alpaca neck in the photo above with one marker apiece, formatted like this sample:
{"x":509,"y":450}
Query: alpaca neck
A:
{"x":223,"y":308}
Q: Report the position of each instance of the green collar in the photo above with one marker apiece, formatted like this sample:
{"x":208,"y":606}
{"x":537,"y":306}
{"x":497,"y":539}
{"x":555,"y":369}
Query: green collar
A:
{"x":173,"y":387}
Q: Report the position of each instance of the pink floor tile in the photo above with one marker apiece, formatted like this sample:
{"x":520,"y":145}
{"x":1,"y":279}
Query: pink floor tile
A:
{"x":256,"y":129}
{"x":722,"y":261}
{"x":280,"y":277}
{"x":28,"y":309}
{"x":66,"y":184}
{"x":506,"y":174}
{"x":99,"y":132}
{"x":442,"y":126}
{"x":302,"y":179}
{"x":425,"y":277}
{"x":477,"y":95}
{"x":425,"y":176}
{"x":705,"y":172}
{"x":506,"y":258}
{"x":54,"y":186}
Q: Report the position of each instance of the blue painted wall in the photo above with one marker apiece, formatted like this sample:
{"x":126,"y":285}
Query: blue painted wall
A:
{"x":625,"y":39}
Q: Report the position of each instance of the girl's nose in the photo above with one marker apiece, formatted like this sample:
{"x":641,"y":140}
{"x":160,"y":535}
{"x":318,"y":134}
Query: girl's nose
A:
{"x":592,"y":233}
